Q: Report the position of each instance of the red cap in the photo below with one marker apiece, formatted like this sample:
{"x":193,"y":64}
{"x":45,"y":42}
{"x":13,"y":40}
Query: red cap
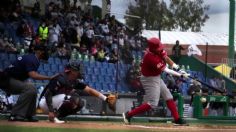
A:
{"x":154,"y":43}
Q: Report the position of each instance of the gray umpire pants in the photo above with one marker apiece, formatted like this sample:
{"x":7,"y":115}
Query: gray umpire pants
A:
{"x":26,"y":103}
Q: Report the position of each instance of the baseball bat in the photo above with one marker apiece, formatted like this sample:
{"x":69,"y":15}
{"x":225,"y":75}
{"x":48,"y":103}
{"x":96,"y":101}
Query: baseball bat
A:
{"x":209,"y":86}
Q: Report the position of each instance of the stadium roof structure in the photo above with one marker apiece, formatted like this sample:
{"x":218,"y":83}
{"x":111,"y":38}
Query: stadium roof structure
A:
{"x":186,"y":38}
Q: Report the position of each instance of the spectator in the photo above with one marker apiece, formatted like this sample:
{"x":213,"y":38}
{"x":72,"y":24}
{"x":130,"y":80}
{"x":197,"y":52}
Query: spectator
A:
{"x":43,"y":32}
{"x":233,"y":73}
{"x":133,"y":77}
{"x":171,"y":84}
{"x":101,"y":54}
{"x":176,"y":51}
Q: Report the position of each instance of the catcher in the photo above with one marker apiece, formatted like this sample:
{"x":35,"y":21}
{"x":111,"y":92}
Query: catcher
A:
{"x":60,"y":97}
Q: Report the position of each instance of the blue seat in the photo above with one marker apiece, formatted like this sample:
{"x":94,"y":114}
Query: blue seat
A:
{"x":92,"y":64}
{"x":54,"y":68}
{"x":49,"y":73}
{"x":98,"y":86}
{"x":61,"y":68}
{"x":64,"y":61}
{"x":46,"y":67}
{"x":12,"y":57}
{"x":1,"y":66}
{"x":105,"y":65}
{"x":93,"y":78}
{"x":51,"y":60}
{"x":110,"y":71}
{"x":111,"y":65}
{"x":100,"y":79}
{"x":42,"y":72}
{"x":113,"y":78}
{"x":4,"y":56}
{"x":107,"y":79}
{"x":112,"y":87}
{"x":96,"y":70}
{"x":58,"y":61}
{"x":6,"y":64}
{"x":98,"y":64}
{"x":103,"y":71}
{"x":86,"y":63}
{"x":40,"y":68}
{"x":105,"y":87}
{"x":89,"y":70}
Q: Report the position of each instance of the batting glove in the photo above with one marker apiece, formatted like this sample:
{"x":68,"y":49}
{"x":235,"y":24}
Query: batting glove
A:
{"x":185,"y":75}
{"x":175,"y":67}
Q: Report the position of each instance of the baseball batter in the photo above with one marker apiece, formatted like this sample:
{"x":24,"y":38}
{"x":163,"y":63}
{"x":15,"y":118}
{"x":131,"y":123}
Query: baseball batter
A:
{"x":153,"y":64}
{"x":61,"y":96}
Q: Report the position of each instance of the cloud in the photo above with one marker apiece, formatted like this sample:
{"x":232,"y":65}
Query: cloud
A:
{"x":217,"y":6}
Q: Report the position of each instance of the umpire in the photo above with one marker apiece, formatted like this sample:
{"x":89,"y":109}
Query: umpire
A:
{"x":13,"y":81}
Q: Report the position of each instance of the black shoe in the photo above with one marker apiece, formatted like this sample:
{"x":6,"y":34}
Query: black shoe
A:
{"x":126,"y":119}
{"x":32,"y":119}
{"x":16,"y":118}
{"x":180,"y":122}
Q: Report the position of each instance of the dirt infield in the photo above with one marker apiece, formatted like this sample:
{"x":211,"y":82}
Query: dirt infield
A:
{"x":120,"y":126}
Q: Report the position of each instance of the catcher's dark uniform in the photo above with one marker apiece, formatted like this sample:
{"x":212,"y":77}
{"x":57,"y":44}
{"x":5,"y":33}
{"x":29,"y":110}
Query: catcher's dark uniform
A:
{"x":60,"y":96}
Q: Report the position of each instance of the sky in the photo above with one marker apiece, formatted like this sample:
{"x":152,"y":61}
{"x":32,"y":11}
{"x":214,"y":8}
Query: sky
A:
{"x":218,"y":13}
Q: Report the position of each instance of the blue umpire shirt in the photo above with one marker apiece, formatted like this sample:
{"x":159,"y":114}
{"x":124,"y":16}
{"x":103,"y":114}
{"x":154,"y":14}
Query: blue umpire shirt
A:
{"x":22,"y":66}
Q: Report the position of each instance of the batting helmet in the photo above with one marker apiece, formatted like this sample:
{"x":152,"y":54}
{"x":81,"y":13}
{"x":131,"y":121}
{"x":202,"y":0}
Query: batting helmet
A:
{"x":154,"y":43}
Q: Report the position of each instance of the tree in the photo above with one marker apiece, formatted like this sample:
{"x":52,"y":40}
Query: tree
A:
{"x":179,"y":14}
{"x":189,"y":14}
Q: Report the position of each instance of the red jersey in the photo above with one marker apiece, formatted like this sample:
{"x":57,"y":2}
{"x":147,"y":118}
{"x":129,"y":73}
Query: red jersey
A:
{"x":152,"y":64}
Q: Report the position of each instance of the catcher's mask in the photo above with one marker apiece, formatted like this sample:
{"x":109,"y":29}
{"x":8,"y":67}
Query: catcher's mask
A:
{"x":44,"y":49}
{"x":76,"y":66}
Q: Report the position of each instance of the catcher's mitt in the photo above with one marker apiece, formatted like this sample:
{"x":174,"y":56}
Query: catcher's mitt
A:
{"x":111,"y":101}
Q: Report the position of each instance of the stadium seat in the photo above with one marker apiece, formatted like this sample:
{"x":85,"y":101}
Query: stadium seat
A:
{"x":107,"y":79}
{"x":40,"y":68}
{"x":96,"y":70}
{"x":89,"y":70}
{"x":64,"y":61}
{"x":51,"y":60}
{"x":4,"y":56}
{"x":46,"y":67}
{"x":105,"y":65}
{"x":57,"y":61}
{"x":112,"y":87}
{"x":100,"y":79}
{"x":98,"y":86}
{"x":103,"y":71}
{"x":98,"y":64}
{"x":93,"y":78}
{"x":12,"y":57}
{"x":6,"y":64}
{"x":111,"y":65}
{"x":49,"y":73}
{"x":54,"y":68}
{"x":110,"y":71}
{"x":60,"y":68}
{"x":105,"y":87}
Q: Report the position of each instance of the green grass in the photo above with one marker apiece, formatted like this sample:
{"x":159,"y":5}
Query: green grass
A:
{"x":44,"y":129}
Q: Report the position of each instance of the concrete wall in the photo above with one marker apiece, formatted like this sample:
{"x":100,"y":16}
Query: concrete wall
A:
{"x":215,"y":54}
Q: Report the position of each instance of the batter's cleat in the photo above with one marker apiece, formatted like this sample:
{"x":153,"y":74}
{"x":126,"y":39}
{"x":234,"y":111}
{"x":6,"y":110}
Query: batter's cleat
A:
{"x":126,"y":119}
{"x":56,"y":120}
{"x":180,"y":122}
{"x":16,"y":118}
